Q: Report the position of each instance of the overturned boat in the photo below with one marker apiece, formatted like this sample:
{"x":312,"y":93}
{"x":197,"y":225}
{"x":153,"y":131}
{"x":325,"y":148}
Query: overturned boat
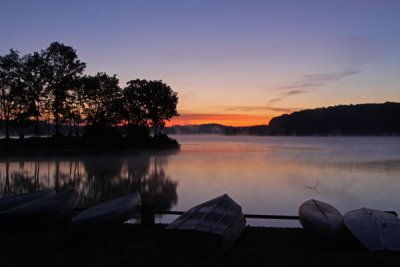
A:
{"x":108,"y":213}
{"x":321,"y":220}
{"x":377,"y":230}
{"x":40,"y":213}
{"x":20,"y":199}
{"x":217,"y":222}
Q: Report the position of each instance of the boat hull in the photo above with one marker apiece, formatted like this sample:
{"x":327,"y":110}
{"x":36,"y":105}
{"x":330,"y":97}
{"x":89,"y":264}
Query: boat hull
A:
{"x":39,"y":213}
{"x":376,"y":230}
{"x":219,"y":222}
{"x":109,"y":213}
{"x":321,"y":220}
{"x":21,"y":199}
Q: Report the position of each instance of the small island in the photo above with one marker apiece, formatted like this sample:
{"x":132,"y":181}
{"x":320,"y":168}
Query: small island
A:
{"x":44,"y":95}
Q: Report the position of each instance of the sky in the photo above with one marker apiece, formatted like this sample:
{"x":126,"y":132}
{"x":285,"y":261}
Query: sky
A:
{"x":234,"y":62}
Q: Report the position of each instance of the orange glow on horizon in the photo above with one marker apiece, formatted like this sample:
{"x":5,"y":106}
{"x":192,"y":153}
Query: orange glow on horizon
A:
{"x":224,"y":119}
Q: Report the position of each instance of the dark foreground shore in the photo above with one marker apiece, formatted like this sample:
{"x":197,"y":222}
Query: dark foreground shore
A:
{"x":132,"y":245}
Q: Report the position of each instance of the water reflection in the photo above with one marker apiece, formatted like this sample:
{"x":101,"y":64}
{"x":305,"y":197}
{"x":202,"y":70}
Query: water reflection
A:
{"x":265,"y":175}
{"x":96,"y":178}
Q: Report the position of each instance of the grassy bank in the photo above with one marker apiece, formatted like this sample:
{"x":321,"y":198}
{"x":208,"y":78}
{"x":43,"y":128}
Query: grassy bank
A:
{"x":131,"y":245}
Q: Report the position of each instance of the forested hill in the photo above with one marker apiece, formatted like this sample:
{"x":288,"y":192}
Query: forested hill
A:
{"x":362,"y":119}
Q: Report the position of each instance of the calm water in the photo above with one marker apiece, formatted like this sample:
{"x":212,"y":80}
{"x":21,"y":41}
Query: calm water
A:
{"x":265,"y":175}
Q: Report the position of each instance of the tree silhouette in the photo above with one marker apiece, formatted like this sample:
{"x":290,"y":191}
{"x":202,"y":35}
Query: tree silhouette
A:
{"x":150,"y":102}
{"x":48,"y":85}
{"x":102,"y":96}
{"x":62,"y":69}
{"x":134,"y":109}
{"x":10,"y":87}
{"x":33,"y":80}
{"x":75,"y":105}
{"x":362,"y":119}
{"x":160,"y":102}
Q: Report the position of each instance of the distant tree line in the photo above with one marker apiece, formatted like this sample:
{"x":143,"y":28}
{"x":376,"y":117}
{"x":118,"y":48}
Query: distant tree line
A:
{"x":49,"y":85}
{"x":218,"y":129}
{"x":362,"y":119}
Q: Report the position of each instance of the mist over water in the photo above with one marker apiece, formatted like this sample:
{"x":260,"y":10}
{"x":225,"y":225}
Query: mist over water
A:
{"x":265,"y":175}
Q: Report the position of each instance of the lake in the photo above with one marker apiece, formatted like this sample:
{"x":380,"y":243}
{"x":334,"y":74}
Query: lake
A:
{"x":265,"y":175}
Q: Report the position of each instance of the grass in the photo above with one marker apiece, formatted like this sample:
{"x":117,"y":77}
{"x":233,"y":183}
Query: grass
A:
{"x":133,"y":245}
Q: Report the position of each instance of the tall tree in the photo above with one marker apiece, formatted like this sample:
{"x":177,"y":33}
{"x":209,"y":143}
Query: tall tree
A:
{"x":134,"y":109}
{"x":160,"y":102}
{"x":10,"y":87}
{"x":34,"y":81}
{"x":102,"y":99}
{"x":149,"y":102}
{"x":62,"y":70}
{"x":75,"y":106}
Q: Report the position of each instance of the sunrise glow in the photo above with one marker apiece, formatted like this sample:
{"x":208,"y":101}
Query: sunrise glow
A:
{"x":224,"y":119}
{"x":231,"y":62}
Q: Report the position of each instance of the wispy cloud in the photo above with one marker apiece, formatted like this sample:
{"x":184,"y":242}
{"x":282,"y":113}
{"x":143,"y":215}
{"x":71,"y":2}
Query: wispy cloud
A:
{"x":285,"y":95}
{"x":258,"y":108}
{"x":356,"y":51}
{"x":318,"y":80}
{"x":311,"y":82}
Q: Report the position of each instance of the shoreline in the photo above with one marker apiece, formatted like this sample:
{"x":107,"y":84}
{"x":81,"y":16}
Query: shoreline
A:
{"x":134,"y":245}
{"x":40,"y":147}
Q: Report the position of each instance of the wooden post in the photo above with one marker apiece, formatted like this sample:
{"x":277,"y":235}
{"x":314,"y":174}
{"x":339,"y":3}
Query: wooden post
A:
{"x":147,"y":216}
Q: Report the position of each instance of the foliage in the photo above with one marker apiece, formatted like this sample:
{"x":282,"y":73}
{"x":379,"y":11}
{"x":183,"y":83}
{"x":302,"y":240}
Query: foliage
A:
{"x":33,"y":79}
{"x":134,"y":111}
{"x":62,"y":69}
{"x":49,"y":85}
{"x":149,"y":103}
{"x":363,"y":119}
{"x":160,"y":103}
{"x":10,"y":87}
{"x":102,"y":97}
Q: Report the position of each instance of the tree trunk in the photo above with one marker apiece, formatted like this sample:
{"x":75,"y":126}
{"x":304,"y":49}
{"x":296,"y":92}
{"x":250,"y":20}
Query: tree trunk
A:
{"x":70,"y":128}
{"x":37,"y":133}
{"x":155,"y":129}
{"x":34,"y":128}
{"x":7,"y":127}
{"x":6,"y":188}
{"x":48,"y":127}
{"x":57,"y":126}
{"x":76,"y":129}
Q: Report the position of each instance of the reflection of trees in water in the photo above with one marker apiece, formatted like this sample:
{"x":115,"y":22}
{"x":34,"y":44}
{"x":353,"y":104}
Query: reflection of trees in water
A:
{"x":159,"y":190}
{"x":18,"y":182}
{"x":103,"y":179}
{"x":156,"y":188}
{"x":108,"y":178}
{"x":97,"y":179}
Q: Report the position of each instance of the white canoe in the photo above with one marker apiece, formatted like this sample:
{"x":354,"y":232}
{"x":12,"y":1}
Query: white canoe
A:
{"x":17,"y":200}
{"x":376,"y":230}
{"x":112,"y":212}
{"x":320,"y":219}
{"x":220,"y":217}
{"x":41,"y":212}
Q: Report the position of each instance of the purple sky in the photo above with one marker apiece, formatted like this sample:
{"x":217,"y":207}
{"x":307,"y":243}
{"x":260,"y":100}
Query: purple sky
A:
{"x":237,"y":59}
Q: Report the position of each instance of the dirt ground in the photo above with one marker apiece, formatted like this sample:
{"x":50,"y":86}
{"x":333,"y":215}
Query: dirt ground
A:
{"x":133,"y":245}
